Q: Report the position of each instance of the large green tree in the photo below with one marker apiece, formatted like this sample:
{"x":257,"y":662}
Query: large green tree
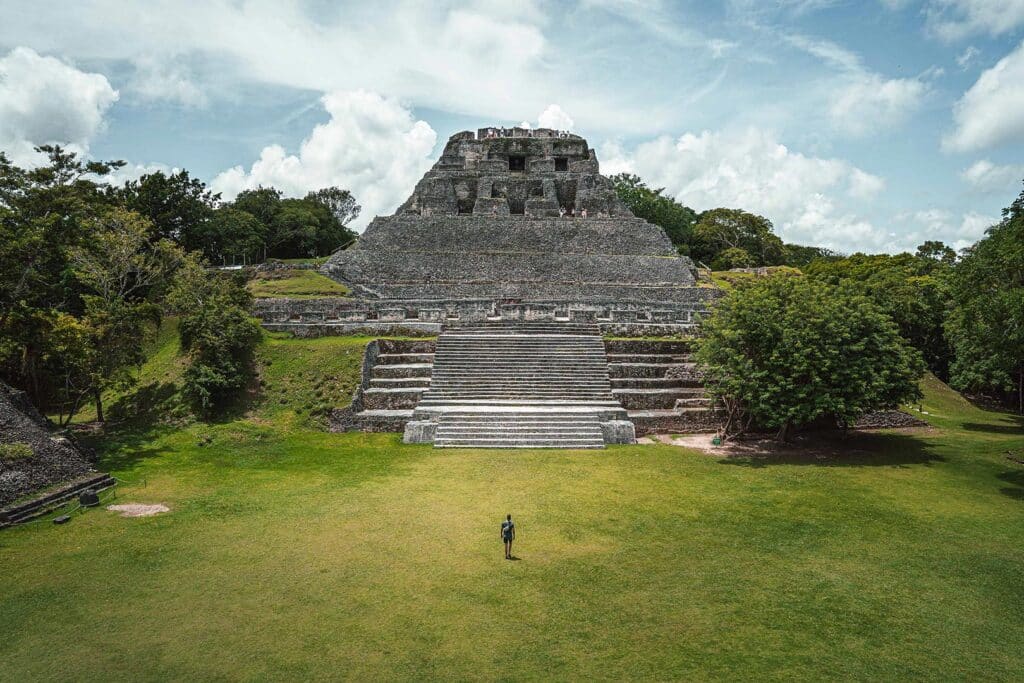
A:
{"x":677,"y":220}
{"x":912,"y":289}
{"x":728,"y":236}
{"x":123,"y":271}
{"x":785,"y":351}
{"x":45,"y":212}
{"x":986,"y":323}
{"x":178,"y":205}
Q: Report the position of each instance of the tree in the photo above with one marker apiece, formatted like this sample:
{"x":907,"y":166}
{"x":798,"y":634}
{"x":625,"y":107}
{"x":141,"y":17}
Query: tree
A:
{"x":913,"y":290}
{"x":44,"y":213}
{"x":798,"y":255}
{"x":677,"y":220}
{"x":217,"y":332}
{"x":339,"y":202}
{"x":720,"y":229}
{"x":235,"y":234}
{"x":986,"y":323}
{"x":119,"y":267}
{"x":782,"y":352}
{"x":178,"y":205}
{"x":938,"y":251}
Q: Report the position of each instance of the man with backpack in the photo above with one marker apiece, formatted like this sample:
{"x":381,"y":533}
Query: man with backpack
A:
{"x":508,"y":534}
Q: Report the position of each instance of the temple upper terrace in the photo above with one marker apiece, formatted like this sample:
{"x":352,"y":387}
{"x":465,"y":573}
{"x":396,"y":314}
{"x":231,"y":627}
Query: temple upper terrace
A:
{"x":519,"y":132}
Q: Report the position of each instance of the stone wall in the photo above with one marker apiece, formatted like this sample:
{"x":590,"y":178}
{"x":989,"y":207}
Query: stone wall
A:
{"x":633,"y":236}
{"x":334,"y":315}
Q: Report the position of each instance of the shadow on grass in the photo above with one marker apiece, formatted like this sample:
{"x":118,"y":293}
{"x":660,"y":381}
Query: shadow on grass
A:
{"x":1017,"y":428}
{"x":125,"y":447}
{"x":858,"y":449}
{"x":1016,"y":478}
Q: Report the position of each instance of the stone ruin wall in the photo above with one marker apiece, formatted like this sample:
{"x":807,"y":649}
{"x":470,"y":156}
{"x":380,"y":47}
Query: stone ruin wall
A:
{"x":517,"y":171}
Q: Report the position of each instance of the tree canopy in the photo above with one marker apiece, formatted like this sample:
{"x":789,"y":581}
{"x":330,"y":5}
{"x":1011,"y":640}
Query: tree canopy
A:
{"x":785,"y":351}
{"x":912,"y":289}
{"x":675,"y":219}
{"x":986,"y":321}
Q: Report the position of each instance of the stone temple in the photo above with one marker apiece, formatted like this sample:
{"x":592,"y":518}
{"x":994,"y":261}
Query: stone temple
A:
{"x":481,"y":238}
{"x":519,"y":253}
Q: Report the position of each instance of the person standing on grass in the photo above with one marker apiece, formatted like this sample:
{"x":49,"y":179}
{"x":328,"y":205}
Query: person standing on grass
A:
{"x":508,"y":534}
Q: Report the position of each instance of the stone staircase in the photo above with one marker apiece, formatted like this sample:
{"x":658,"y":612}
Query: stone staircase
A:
{"x":396,"y":373}
{"x":658,"y":384}
{"x":520,"y":385}
{"x":516,"y":429}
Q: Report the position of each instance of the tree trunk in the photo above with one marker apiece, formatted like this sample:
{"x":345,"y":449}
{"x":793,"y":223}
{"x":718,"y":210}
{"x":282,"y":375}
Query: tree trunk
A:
{"x":1020,"y":390}
{"x":98,"y":395}
{"x":783,"y":435}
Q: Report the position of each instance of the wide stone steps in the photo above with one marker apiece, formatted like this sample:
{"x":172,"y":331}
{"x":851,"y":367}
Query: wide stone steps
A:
{"x":652,"y":382}
{"x":645,"y":399}
{"x":660,"y":358}
{"x":649,"y":369}
{"x":518,"y":430}
{"x":399,"y":382}
{"x":660,"y":386}
{"x":401,"y":370}
{"x":404,"y":358}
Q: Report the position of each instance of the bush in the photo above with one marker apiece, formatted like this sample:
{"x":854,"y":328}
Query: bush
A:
{"x":218,"y":334}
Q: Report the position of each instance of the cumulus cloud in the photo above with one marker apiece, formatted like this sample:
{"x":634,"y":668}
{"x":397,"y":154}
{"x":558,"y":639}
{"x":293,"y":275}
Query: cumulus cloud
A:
{"x":46,"y":101}
{"x":940,"y":224}
{"x":555,"y":117}
{"x":989,"y":113}
{"x":870,"y":101}
{"x":371,"y":146}
{"x":860,"y":100}
{"x":955,"y":19}
{"x":811,"y":200}
{"x":988,"y":177}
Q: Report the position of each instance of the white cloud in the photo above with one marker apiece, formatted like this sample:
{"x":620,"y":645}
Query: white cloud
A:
{"x":864,"y":185}
{"x":967,"y":56}
{"x":161,"y":79}
{"x":955,"y":19}
{"x":988,"y":177}
{"x":942,"y":225}
{"x":989,"y":113}
{"x":869,"y":102}
{"x":555,"y":117}
{"x":371,"y":146}
{"x":44,"y":100}
{"x":811,"y":200}
{"x":861,"y":101}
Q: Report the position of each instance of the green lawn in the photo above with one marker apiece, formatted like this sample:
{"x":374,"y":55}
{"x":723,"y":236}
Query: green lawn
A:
{"x":291,"y":553}
{"x":295,"y":284}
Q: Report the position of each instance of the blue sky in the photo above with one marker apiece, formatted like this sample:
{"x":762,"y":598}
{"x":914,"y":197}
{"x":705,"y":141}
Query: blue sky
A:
{"x":865,"y":126}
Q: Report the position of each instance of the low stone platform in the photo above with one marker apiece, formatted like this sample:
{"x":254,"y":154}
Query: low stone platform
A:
{"x":660,"y":386}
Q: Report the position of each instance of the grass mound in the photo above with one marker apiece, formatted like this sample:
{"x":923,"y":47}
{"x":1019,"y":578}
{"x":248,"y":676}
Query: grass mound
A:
{"x":297,"y":381}
{"x":294,"y":284}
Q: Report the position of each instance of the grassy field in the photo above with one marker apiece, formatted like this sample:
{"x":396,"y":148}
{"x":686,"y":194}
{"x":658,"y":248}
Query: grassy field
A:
{"x":295,"y":284}
{"x":290,"y":553}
